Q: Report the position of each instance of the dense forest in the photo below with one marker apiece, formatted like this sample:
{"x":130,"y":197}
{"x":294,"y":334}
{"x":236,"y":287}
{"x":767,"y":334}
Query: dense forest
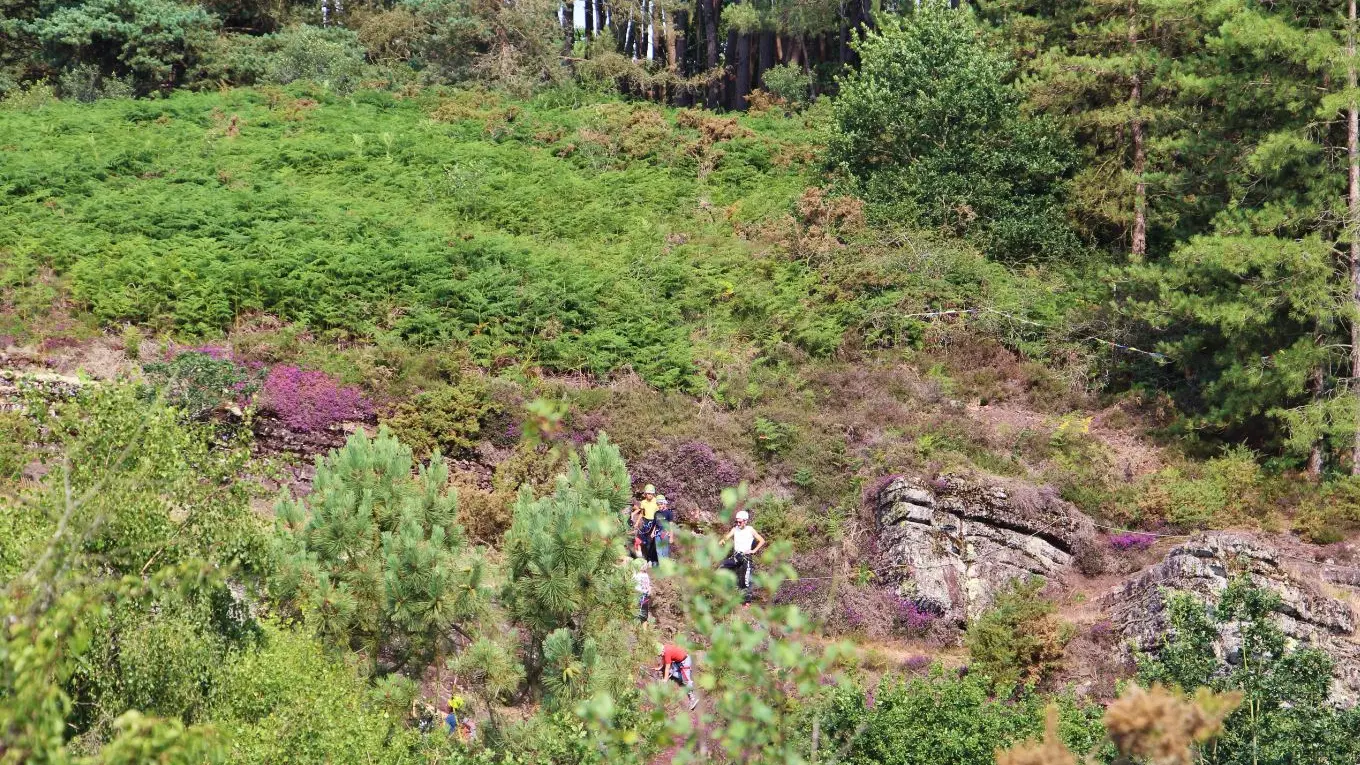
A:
{"x":339,"y":341}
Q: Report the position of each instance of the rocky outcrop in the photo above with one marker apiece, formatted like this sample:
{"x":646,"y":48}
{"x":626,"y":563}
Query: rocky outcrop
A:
{"x":1206,"y":564}
{"x":952,"y":543}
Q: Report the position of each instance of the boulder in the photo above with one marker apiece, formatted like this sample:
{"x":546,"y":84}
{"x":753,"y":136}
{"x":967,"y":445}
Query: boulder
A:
{"x":1204,"y":566}
{"x":950,"y":544}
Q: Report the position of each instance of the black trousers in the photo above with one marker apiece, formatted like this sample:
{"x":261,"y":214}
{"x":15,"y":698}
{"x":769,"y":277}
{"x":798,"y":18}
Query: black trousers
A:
{"x":741,"y":565}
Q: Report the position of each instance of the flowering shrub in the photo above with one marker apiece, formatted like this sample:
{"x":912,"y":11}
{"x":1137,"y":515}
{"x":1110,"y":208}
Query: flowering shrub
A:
{"x":214,"y":352}
{"x":871,"y":492}
{"x":914,"y":618}
{"x":1102,"y":631}
{"x":691,"y":475}
{"x":308,"y":400}
{"x":875,"y":612}
{"x":916,"y":663}
{"x":795,"y":592}
{"x":1131,"y":540}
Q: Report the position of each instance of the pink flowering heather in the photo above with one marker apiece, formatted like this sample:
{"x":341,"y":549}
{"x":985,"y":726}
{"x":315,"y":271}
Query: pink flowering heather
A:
{"x":308,"y":400}
{"x":912,"y":617}
{"x":1132,"y":541}
{"x":215,"y":352}
{"x":916,"y":663}
{"x":871,"y":491}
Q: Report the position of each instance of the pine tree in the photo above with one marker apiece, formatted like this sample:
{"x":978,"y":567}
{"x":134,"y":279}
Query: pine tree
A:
{"x":1111,"y":71}
{"x":377,"y":555}
{"x":565,"y":586}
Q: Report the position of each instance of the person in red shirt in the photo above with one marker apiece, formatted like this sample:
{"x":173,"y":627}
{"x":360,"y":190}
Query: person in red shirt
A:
{"x":675,"y":665}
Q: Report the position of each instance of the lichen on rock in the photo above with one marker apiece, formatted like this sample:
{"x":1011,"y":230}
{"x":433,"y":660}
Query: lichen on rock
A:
{"x":953,"y":543}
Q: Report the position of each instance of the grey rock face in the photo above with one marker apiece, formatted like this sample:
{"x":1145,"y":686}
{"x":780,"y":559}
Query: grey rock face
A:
{"x":953,"y":543}
{"x":1206,"y":564}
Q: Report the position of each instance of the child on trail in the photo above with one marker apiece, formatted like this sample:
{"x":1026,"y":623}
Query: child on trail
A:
{"x":642,"y":583}
{"x":746,"y":542}
{"x":664,"y":535}
{"x":675,"y":665}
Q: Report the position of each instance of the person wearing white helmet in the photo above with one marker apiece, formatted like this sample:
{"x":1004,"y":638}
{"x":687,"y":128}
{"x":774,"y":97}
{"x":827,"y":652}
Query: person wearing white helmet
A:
{"x":746,"y":542}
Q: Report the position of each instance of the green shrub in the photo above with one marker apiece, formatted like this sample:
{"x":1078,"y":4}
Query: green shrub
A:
{"x":1018,"y":641}
{"x":85,"y":83}
{"x":291,"y":699}
{"x":1218,"y":491}
{"x":152,"y":40}
{"x":31,"y":97}
{"x":377,"y":553}
{"x":929,"y":128}
{"x":196,"y":383}
{"x":790,"y":83}
{"x":330,"y":56}
{"x":772,"y":437}
{"x":1328,"y":515}
{"x":448,"y":418}
{"x":17,"y":433}
{"x":780,"y":519}
{"x":1286,"y":715}
{"x":132,"y":343}
{"x":943,"y":718}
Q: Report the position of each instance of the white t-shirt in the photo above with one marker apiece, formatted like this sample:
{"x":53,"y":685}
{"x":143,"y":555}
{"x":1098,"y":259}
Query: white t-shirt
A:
{"x":642,"y":583}
{"x":743,"y":539}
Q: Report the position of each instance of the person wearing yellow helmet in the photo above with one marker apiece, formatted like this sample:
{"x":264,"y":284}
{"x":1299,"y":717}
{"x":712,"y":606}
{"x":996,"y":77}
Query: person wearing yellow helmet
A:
{"x":454,"y":706}
{"x":464,"y":727}
{"x":644,"y":525}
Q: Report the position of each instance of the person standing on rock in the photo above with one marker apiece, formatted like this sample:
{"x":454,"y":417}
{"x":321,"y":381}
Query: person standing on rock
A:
{"x":746,"y":542}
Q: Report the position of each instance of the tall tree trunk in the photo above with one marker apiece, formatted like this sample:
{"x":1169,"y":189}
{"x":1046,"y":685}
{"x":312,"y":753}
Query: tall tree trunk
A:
{"x":843,"y":54}
{"x":568,"y":30}
{"x":1138,"y":247}
{"x":644,"y":45}
{"x":679,"y":61}
{"x":1353,"y":222}
{"x":711,"y":10}
{"x":767,"y":54}
{"x":743,"y":84}
{"x":807,"y":50}
{"x":619,"y":23}
{"x":730,"y":70}
{"x":1316,"y":456}
{"x":600,"y":11}
{"x":589,"y":8}
{"x":660,"y":50}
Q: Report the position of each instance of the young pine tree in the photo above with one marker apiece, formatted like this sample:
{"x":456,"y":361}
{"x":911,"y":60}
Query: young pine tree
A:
{"x":377,"y":555}
{"x":565,"y":586}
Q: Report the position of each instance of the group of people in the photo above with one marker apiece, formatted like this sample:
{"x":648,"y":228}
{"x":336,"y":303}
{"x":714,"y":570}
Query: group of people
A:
{"x":651,"y":520}
{"x":653,"y":533}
